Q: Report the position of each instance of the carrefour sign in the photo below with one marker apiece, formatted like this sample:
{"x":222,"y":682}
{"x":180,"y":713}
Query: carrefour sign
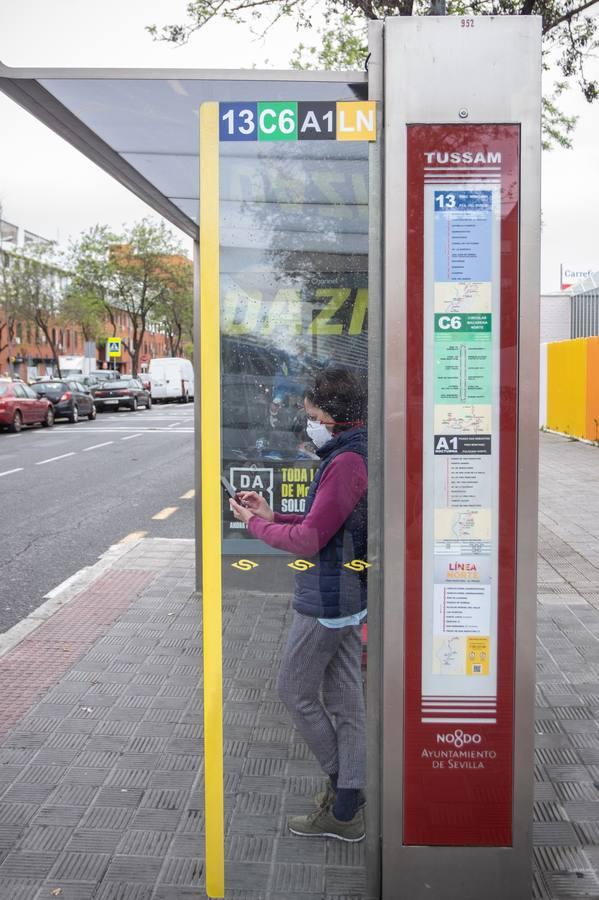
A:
{"x":298,"y":121}
{"x":569,"y":275}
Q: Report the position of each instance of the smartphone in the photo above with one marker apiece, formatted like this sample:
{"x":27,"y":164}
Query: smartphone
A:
{"x":228,"y":487}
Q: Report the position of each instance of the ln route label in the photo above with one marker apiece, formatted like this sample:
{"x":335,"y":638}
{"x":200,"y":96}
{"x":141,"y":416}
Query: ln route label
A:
{"x":298,"y":121}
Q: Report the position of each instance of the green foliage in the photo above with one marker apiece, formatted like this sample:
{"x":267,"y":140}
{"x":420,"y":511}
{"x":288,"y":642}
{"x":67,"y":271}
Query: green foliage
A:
{"x":32,"y":287}
{"x":130,"y":271}
{"x":570,"y":36}
{"x":175,"y":309}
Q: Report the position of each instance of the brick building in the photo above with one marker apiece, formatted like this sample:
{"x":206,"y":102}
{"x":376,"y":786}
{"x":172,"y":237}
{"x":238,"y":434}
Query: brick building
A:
{"x":30,"y":352}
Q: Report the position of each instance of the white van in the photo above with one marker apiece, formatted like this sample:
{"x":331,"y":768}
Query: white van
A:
{"x":171,"y":378}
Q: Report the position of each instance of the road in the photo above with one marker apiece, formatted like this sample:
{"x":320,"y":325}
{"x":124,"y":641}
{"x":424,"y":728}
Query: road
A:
{"x":68,"y":493}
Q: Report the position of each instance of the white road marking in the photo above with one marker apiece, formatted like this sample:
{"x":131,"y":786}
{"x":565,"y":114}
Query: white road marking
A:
{"x":54,"y":458}
{"x":189,"y":495}
{"x":10,"y":472}
{"x":131,"y":436}
{"x":97,"y":446}
{"x":166,"y":512}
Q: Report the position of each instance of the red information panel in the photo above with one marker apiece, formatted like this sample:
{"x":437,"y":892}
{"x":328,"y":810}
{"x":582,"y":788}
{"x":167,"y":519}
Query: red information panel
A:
{"x":462,"y":318}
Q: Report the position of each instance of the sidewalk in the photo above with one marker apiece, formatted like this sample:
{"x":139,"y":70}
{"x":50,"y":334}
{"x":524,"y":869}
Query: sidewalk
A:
{"x":101,"y":728}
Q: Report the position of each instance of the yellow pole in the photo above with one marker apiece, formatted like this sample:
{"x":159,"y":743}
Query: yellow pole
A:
{"x":211,"y":498}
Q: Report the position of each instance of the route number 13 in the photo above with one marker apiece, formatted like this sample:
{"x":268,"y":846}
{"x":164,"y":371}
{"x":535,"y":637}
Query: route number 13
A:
{"x":445,"y":201}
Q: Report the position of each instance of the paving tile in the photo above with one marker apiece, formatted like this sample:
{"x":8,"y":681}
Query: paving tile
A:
{"x":80,"y":866}
{"x":118,"y":796}
{"x":146,"y":843}
{"x":157,"y":819}
{"x":68,"y":816}
{"x":27,"y":864}
{"x":94,"y":840}
{"x":182,"y":871}
{"x":18,"y":888}
{"x":21,"y":792}
{"x":71,"y":891}
{"x":46,"y":838}
{"x":134,"y":868}
{"x":122,"y":890}
{"x":107,"y":817}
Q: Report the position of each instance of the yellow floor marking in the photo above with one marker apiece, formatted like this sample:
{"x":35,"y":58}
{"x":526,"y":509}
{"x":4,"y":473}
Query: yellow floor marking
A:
{"x":166,"y":512}
{"x":133,"y":536}
{"x":189,"y":495}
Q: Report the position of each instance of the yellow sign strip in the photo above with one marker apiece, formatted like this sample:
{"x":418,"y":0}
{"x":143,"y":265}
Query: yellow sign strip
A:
{"x":211,"y":498}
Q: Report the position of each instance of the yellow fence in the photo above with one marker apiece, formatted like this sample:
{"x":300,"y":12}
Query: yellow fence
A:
{"x":573,"y":387}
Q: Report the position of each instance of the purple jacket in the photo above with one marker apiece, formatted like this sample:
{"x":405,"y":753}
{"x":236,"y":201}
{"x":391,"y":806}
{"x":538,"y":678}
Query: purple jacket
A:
{"x":342,"y":486}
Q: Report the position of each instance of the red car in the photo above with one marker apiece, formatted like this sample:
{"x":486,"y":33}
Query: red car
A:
{"x":19,"y":406}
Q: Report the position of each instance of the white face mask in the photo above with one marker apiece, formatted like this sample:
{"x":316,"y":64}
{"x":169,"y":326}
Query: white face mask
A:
{"x":318,"y":433}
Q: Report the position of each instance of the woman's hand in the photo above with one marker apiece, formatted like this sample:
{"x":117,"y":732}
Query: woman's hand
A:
{"x":241,"y":513}
{"x":256,"y":504}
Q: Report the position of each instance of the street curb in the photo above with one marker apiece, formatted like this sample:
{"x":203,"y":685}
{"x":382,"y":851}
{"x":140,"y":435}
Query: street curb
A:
{"x":63,"y":594}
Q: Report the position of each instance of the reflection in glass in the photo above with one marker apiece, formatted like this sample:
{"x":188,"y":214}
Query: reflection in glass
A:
{"x":294,"y":242}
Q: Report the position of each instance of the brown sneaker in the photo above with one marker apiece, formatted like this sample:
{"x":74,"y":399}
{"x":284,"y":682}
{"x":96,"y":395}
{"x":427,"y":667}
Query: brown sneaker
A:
{"x":322,"y":823}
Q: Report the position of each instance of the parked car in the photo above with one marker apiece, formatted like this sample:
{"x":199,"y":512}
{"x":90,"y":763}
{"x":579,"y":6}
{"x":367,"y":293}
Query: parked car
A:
{"x":171,"y":379}
{"x":20,"y":405}
{"x":128,"y":392}
{"x":71,"y":399}
{"x":105,"y":374}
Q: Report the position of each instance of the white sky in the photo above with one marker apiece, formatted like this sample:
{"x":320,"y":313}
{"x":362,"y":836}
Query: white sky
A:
{"x":50,"y":188}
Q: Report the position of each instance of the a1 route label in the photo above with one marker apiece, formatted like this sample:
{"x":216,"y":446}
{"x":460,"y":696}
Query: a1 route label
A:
{"x":298,"y":121}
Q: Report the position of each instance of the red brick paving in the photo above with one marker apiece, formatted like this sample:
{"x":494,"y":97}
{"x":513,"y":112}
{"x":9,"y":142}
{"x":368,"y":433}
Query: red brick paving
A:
{"x":37,"y":663}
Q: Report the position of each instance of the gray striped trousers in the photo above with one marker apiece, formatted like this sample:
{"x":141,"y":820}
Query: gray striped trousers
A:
{"x":320,"y":683}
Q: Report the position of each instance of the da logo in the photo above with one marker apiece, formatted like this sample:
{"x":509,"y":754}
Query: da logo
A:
{"x":245,"y":565}
{"x":301,"y":565}
{"x":357,"y":565}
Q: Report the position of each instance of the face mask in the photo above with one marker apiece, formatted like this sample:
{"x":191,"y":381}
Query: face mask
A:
{"x":318,"y":433}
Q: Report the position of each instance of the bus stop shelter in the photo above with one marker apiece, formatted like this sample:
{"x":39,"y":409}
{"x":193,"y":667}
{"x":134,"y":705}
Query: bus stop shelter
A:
{"x":344,"y":249}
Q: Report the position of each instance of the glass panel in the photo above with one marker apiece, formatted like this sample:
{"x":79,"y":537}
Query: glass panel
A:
{"x":294,"y":242}
{"x":294,"y":354}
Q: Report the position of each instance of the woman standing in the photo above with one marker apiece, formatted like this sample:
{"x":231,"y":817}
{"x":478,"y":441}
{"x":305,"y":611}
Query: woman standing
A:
{"x":320,"y":679}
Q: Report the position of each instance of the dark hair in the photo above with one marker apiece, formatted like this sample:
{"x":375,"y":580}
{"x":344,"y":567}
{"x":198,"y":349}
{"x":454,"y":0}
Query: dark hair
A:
{"x":341,"y":394}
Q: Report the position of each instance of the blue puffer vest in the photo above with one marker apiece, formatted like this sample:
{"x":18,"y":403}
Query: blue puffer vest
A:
{"x":328,"y":590}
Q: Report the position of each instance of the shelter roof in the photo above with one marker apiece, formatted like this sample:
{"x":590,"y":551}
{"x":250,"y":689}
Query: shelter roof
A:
{"x":141,"y":125}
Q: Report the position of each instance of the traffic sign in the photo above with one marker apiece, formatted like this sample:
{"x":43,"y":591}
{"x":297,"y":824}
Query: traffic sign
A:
{"x":113,"y":347}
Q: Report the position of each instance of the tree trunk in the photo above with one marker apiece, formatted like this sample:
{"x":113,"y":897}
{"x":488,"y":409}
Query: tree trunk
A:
{"x":48,"y":332}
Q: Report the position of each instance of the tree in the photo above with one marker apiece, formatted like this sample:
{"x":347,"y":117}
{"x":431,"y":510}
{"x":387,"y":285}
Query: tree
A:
{"x":8,"y":304}
{"x":570,"y":36}
{"x":32,"y":287}
{"x":85,"y":309}
{"x":130,"y":272}
{"x":90,"y":287}
{"x":140,"y":268}
{"x":175,"y":310}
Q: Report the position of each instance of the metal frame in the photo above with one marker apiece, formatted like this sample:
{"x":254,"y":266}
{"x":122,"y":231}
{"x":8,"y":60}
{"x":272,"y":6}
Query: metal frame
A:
{"x":498,"y":80}
{"x":376,"y":493}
